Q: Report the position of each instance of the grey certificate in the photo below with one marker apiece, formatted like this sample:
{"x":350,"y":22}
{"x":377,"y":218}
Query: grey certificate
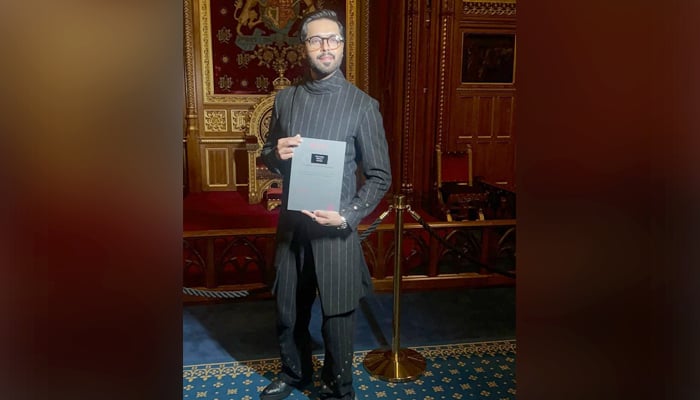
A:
{"x":316,"y":177}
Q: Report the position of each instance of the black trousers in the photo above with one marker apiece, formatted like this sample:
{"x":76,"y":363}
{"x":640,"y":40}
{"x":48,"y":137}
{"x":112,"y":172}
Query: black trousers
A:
{"x":294,"y":303}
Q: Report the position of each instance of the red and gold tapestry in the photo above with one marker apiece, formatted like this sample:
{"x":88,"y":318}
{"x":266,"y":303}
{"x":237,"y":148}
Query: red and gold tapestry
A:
{"x":255,"y":41}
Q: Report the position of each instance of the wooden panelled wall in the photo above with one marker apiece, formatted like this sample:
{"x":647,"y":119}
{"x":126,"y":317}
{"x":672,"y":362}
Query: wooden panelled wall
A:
{"x":414,"y":49}
{"x":416,"y":54}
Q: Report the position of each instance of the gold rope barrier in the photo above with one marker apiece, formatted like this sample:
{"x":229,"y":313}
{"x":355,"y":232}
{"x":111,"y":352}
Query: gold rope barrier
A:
{"x":396,"y":364}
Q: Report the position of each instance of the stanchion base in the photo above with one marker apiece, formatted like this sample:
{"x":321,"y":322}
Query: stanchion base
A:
{"x":406,"y":365}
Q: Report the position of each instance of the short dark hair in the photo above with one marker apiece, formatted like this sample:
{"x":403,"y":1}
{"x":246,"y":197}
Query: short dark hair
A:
{"x":320,"y":14}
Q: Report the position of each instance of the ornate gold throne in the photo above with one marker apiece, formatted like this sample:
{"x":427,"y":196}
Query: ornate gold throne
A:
{"x":261,"y":181}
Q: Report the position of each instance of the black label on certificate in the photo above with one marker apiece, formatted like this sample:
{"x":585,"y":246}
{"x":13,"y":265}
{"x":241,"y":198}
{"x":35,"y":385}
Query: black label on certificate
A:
{"x":319,"y":158}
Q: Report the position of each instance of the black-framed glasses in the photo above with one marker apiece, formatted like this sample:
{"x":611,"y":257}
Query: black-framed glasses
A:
{"x":332,"y":42}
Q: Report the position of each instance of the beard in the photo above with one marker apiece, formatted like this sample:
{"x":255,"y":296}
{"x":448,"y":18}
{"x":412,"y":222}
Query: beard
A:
{"x":323,"y":69}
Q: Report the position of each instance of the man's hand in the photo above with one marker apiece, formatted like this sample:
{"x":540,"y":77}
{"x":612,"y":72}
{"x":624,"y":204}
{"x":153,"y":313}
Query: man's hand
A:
{"x":285,"y":147}
{"x":325,"y":218}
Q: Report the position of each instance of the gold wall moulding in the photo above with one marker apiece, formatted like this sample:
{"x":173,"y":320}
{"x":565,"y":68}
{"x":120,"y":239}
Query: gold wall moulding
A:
{"x":217,"y":173}
{"x":493,"y":7}
{"x":489,"y":1}
{"x":215,"y":121}
{"x":239,"y":120}
{"x":221,"y":140}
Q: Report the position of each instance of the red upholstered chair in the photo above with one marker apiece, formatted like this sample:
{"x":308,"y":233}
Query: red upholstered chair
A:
{"x":457,"y":197}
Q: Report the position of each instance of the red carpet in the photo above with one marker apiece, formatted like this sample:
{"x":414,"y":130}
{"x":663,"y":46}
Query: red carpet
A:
{"x":230,"y":210}
{"x":224,"y":210}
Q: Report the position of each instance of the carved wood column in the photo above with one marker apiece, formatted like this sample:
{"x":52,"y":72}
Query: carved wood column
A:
{"x":408,"y":103}
{"x":421,"y":94}
{"x":191,"y":132}
{"x":433,"y":62}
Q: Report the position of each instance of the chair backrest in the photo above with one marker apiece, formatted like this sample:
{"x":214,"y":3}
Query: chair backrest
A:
{"x":260,"y":179}
{"x":457,"y":197}
{"x":260,"y":119}
{"x":454,"y":167}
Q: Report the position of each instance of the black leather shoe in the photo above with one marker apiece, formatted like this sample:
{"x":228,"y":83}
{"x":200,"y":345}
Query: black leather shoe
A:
{"x":277,"y":390}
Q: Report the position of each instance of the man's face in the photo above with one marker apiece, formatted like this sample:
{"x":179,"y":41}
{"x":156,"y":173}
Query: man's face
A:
{"x":323,"y":61}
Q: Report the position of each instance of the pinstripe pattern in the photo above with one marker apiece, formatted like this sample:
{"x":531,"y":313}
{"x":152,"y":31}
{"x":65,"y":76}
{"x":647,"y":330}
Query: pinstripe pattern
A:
{"x":337,"y":366}
{"x":331,"y":109}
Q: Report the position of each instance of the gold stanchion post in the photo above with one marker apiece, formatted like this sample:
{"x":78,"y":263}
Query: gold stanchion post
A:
{"x":396,"y":364}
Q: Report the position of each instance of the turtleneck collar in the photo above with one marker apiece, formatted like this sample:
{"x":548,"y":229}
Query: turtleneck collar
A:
{"x":331,"y":84}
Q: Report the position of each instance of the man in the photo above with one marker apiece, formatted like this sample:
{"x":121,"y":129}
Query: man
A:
{"x":319,"y":249}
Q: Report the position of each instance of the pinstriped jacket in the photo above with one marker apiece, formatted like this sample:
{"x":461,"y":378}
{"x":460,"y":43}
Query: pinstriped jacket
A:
{"x":331,"y":109}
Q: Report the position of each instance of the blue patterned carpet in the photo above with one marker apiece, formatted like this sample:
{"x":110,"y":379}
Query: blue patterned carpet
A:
{"x":481,"y":370}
